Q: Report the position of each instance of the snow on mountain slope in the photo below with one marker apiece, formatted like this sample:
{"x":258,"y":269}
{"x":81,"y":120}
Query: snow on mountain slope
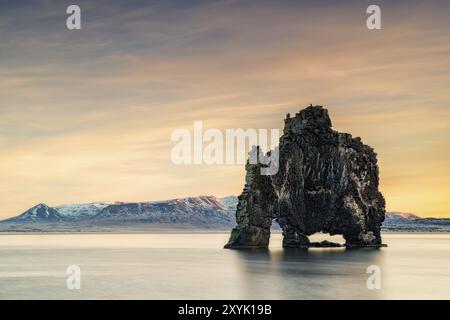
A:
{"x":202,"y":211}
{"x":400,"y":216}
{"x":38,"y":213}
{"x":230,"y":202}
{"x":81,"y":210}
{"x":191,"y":203}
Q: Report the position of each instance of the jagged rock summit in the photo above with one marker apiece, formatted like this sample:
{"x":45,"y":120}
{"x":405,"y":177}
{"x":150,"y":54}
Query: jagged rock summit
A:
{"x":326,"y":182}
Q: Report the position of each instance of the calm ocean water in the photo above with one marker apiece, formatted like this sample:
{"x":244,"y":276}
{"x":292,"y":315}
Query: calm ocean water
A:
{"x":194,"y":266}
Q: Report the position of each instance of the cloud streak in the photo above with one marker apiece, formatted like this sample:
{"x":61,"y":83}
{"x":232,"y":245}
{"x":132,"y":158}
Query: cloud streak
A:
{"x":87,"y":115}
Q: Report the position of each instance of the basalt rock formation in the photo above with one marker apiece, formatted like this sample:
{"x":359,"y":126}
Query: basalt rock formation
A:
{"x":326,"y":182}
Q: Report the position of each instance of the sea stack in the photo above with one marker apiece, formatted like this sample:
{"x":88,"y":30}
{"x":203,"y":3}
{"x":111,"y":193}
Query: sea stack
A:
{"x":327,"y":181}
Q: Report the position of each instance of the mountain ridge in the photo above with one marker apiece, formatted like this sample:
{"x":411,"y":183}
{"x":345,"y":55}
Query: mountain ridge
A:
{"x":199,"y":212}
{"x":202,"y":212}
{"x":38,"y":212}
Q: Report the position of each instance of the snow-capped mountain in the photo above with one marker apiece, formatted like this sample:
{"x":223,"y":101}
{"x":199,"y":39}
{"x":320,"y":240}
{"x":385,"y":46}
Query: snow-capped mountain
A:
{"x":400,"y":216}
{"x":84,"y":210}
{"x":230,"y":202}
{"x":38,"y":213}
{"x":198,"y":212}
{"x":401,"y":221}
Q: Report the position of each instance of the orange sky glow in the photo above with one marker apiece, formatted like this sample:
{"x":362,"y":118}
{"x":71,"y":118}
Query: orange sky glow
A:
{"x":87,"y":115}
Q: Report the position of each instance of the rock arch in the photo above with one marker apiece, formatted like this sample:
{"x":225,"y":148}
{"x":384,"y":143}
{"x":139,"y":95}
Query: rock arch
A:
{"x":326,"y":182}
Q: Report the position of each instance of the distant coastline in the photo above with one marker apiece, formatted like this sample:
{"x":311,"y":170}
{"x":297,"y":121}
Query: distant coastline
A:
{"x":202,"y":214}
{"x":175,"y":231}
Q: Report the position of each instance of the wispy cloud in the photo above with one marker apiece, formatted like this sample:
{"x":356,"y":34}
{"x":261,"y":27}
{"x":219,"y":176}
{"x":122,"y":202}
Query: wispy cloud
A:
{"x":87,"y":115}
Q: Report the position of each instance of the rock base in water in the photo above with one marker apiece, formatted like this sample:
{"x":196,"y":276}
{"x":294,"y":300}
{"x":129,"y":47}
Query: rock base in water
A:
{"x":325,"y":244}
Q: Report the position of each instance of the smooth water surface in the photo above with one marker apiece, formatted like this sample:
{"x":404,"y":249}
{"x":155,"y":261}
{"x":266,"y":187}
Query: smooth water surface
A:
{"x":194,"y":266}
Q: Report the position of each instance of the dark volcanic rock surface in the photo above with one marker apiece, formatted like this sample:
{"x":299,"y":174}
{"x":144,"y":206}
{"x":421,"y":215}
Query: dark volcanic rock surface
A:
{"x":327,"y":182}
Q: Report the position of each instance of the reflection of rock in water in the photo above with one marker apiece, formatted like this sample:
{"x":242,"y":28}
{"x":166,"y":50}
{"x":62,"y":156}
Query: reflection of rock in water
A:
{"x":336,"y":273}
{"x":327,"y":182}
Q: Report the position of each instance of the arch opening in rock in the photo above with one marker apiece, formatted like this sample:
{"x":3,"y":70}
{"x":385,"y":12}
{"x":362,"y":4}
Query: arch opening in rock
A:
{"x":325,"y":240}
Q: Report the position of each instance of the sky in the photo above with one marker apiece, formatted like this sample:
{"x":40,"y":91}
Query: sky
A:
{"x":87,"y":115}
